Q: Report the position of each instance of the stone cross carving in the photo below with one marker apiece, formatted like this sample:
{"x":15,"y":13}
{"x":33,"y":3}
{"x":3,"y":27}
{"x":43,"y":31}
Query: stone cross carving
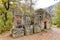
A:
{"x":28,"y":20}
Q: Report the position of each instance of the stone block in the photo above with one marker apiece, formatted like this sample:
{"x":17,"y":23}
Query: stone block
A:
{"x":37,"y":29}
{"x":29,"y":30}
{"x":17,"y":32}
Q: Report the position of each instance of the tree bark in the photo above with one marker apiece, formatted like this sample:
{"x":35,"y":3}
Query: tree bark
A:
{"x":6,"y":16}
{"x":6,"y":5}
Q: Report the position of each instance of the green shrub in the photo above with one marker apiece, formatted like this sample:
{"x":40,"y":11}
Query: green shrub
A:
{"x":6,"y":26}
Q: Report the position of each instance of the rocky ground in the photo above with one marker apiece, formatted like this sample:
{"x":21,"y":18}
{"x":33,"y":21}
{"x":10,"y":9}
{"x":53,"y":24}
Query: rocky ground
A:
{"x":53,"y":34}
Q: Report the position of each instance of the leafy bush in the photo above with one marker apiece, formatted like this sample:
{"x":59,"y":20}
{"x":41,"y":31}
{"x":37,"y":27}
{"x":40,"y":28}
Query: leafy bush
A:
{"x":58,"y":19}
{"x":57,"y":11}
{"x":6,"y":26}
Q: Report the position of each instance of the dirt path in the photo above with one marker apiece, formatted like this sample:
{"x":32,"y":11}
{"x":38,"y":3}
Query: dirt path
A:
{"x":53,"y":34}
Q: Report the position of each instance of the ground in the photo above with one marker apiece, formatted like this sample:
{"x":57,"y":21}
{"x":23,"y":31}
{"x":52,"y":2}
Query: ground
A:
{"x":53,"y":34}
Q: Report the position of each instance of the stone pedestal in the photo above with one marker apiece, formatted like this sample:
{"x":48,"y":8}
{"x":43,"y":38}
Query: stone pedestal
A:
{"x":17,"y":32}
{"x":31,"y":29}
{"x":28,"y":30}
{"x":37,"y":29}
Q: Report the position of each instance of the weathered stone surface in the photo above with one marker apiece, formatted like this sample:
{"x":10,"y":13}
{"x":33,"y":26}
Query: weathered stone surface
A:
{"x":31,"y":29}
{"x":17,"y":32}
{"x":37,"y":29}
{"x":41,"y":21}
{"x":28,"y":30}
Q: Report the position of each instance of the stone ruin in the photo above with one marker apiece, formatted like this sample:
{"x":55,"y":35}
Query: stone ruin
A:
{"x":22,"y":23}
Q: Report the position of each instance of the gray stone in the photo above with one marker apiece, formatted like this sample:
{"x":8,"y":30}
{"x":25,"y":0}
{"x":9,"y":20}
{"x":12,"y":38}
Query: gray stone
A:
{"x":28,"y":30}
{"x":37,"y":29}
{"x":17,"y":32}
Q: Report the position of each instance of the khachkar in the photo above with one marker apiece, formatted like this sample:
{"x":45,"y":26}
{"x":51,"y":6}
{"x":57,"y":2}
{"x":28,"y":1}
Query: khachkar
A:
{"x":28,"y":26}
{"x":36,"y":27}
{"x":18,"y":26}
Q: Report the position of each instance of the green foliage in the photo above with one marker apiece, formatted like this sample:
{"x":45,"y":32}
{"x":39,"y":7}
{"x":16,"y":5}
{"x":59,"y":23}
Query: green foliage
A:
{"x":57,"y":19}
{"x":2,"y":9}
{"x":9,"y":0}
{"x":4,"y":0}
{"x":58,"y":15}
{"x":9,"y":22}
{"x":6,"y":15}
{"x":5,"y":25}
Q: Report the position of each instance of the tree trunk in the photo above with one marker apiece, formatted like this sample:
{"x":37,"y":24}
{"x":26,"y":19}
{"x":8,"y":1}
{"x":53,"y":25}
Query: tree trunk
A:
{"x":5,"y":16}
{"x":6,"y":5}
